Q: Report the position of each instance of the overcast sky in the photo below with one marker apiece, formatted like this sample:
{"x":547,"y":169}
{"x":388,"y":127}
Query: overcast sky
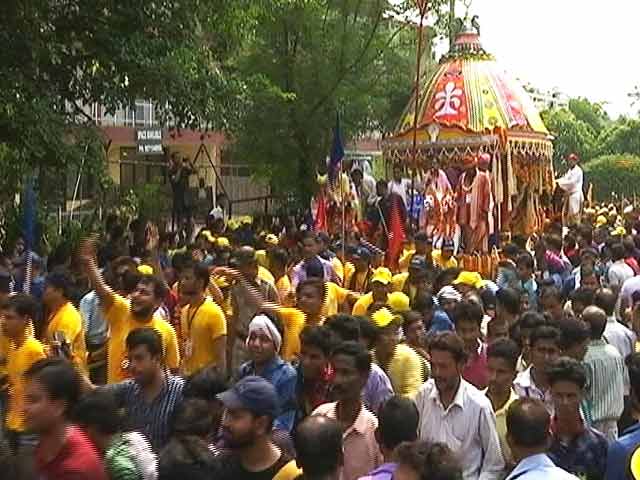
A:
{"x":584,"y":47}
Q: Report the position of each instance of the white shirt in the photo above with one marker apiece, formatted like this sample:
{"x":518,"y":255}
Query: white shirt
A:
{"x":467,"y":427}
{"x":401,"y":188}
{"x":629,"y":287}
{"x":571,"y":182}
{"x":619,"y":272}
{"x":619,"y":336}
{"x":525,"y":387}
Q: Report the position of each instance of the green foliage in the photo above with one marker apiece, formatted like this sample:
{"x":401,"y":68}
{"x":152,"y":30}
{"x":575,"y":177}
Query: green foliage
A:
{"x":619,"y":174}
{"x":621,"y":137}
{"x":593,"y":114}
{"x":571,"y":135}
{"x":309,"y":59}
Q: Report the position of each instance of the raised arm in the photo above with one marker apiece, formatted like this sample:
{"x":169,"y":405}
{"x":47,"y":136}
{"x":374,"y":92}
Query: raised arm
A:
{"x":88,"y":258}
{"x":253,"y":294}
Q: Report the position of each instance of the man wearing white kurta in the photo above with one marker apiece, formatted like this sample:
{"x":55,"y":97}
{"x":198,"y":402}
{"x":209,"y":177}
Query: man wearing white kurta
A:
{"x":571,"y":183}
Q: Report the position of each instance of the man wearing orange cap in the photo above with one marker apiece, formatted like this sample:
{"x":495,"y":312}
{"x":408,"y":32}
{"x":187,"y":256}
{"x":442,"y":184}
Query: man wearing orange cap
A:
{"x":571,"y":182}
{"x":474,"y":206}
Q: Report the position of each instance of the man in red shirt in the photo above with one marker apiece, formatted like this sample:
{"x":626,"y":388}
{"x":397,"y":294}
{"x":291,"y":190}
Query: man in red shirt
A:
{"x":63,"y":451}
{"x":468,"y":318}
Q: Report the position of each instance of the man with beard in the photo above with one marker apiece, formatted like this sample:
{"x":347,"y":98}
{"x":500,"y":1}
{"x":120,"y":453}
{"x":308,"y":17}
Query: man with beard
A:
{"x":203,"y":327}
{"x":124,"y":315}
{"x":264,"y":342}
{"x":456,"y":413}
{"x":352,"y":364}
{"x":251,"y":406}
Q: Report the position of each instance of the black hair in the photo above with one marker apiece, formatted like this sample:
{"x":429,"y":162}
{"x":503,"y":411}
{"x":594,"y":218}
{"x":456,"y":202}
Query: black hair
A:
{"x":320,"y":337}
{"x":421,"y":237}
{"x":596,"y":319}
{"x":446,"y":277}
{"x":531,"y":320}
{"x":466,"y":311}
{"x":205,"y":384}
{"x":346,"y":327}
{"x":528,"y":423}
{"x":582,"y":296}
{"x":423,"y":301}
{"x":573,"y":332}
{"x":316,"y":283}
{"x":192,"y":416}
{"x":147,"y":336}
{"x":506,"y":349}
{"x":314,"y":432}
{"x":449,"y":342}
{"x":59,"y":378}
{"x":397,"y":422}
{"x":633,"y":365}
{"x":5,"y":283}
{"x":410,"y":317}
{"x":200,"y":271}
{"x":511,"y":250}
{"x":310,"y":234}
{"x":525,"y":260}
{"x":278,"y":256}
{"x":617,"y":252}
{"x":368,"y":331}
{"x":99,"y":409}
{"x":509,"y":299}
{"x":552,"y":291}
{"x":60,"y":281}
{"x":432,"y":461}
{"x":158,"y":285}
{"x":545,"y":332}
{"x":24,"y":305}
{"x":606,"y":300}
{"x":566,"y":369}
{"x":358,"y":352}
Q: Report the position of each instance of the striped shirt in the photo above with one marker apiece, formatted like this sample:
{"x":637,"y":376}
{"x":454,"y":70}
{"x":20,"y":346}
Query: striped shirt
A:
{"x":151,"y":419}
{"x":605,"y":381}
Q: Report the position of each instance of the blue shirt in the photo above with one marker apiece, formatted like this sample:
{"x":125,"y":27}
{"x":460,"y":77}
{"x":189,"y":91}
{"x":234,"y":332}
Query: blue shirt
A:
{"x":383,"y":472}
{"x":93,"y":320}
{"x":620,"y":452}
{"x":584,"y":456}
{"x":539,"y":467}
{"x":283,"y":377}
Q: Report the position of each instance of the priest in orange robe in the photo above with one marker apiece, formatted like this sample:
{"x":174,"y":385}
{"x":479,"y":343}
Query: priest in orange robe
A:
{"x":474,"y":206}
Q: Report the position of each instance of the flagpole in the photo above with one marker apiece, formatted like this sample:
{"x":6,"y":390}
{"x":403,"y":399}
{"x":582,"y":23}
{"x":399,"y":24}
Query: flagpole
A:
{"x":344,"y":215}
{"x":422,"y":6}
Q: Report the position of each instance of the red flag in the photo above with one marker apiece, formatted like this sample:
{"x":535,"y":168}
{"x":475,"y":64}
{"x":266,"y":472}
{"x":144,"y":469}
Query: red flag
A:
{"x":320,"y":220}
{"x":396,"y":234}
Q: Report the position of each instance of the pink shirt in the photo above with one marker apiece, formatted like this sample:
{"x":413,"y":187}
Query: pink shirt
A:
{"x":475,"y":371}
{"x":362,"y":454}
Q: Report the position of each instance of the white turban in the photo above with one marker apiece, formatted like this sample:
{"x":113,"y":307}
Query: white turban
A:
{"x":263,"y":324}
{"x":448,"y":293}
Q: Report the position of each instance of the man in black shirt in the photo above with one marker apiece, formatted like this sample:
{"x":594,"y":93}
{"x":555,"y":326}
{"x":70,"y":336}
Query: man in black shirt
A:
{"x":250,"y":408}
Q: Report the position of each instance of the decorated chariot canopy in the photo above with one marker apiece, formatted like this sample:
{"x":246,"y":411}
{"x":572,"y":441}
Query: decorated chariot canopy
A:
{"x":470,"y":105}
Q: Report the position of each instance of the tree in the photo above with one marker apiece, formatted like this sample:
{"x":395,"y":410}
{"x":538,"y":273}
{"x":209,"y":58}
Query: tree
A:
{"x":622,"y":137}
{"x":619,"y":174}
{"x":593,"y":114}
{"x":308,"y":60}
{"x":57,"y":57}
{"x":571,"y":135}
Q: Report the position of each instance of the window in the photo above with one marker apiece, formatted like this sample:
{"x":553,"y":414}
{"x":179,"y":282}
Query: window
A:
{"x":137,"y":170}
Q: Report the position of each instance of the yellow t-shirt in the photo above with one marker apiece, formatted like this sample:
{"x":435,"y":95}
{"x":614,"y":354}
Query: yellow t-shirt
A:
{"x":398,"y":281}
{"x":405,"y":371}
{"x":338,"y":268}
{"x":335,"y":296}
{"x":5,"y":344}
{"x":293,"y":320}
{"x":405,"y":259}
{"x":19,"y":361}
{"x":266,"y":275}
{"x":283,"y":286}
{"x":262,"y":258}
{"x":121,"y":322}
{"x":362,"y":305}
{"x":436,"y":255}
{"x":68,"y":321}
{"x":200,"y":326}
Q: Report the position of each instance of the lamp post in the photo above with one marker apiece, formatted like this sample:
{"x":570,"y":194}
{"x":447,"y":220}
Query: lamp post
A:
{"x":422,"y":9}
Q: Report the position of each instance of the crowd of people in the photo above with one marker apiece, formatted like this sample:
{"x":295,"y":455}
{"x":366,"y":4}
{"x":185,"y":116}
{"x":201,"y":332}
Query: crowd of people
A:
{"x":289,"y":353}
